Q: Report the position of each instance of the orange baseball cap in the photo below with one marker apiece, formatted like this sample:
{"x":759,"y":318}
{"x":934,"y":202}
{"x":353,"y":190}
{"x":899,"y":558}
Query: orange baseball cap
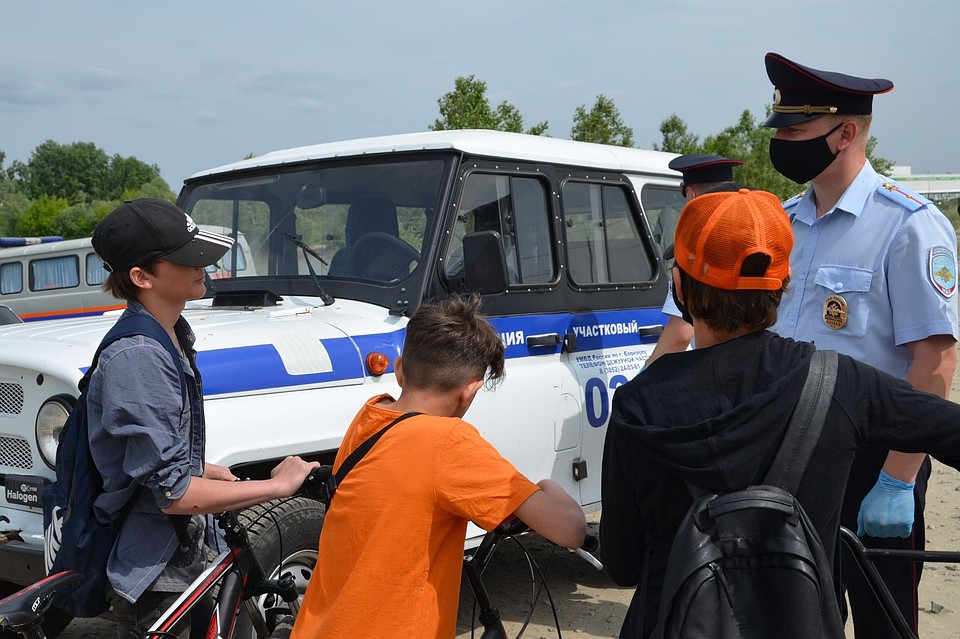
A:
{"x":718,"y":231}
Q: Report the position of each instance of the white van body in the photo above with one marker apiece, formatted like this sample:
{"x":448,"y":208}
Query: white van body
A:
{"x":383,"y":221}
{"x":56,"y":280}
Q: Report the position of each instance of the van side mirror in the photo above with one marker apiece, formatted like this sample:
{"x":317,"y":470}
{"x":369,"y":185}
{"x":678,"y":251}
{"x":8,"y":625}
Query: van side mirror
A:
{"x":485,"y":266}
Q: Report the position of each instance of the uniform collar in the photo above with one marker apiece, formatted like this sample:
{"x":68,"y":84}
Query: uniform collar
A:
{"x":853,"y":200}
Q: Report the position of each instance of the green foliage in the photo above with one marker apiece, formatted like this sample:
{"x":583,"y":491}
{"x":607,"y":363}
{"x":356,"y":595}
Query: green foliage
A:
{"x":40,"y":217}
{"x":467,"y":107}
{"x":80,"y":172}
{"x":676,"y":138}
{"x":602,"y":124}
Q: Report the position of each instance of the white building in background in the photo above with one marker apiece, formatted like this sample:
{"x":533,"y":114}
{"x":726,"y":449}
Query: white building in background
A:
{"x":928,"y":184}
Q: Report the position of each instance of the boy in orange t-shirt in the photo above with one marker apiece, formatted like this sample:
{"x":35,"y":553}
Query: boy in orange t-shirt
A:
{"x":391,"y":550}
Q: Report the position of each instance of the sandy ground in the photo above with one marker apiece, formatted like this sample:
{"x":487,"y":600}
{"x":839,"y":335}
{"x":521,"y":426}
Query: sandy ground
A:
{"x":590,"y":606}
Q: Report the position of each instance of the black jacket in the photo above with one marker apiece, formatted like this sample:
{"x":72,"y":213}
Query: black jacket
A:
{"x":714,"y":417}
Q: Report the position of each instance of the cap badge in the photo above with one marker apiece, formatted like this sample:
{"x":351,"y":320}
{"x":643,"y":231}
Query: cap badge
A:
{"x":835,"y":312}
{"x":191,"y":225}
{"x":943,"y":271}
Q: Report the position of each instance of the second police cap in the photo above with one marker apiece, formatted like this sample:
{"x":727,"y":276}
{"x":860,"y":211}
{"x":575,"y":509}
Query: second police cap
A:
{"x":703,"y":168}
{"x":803,"y":93}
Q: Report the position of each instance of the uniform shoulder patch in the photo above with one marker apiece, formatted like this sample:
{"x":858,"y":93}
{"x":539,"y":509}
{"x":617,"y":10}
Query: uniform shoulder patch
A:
{"x":943,"y":270}
{"x":794,"y":200}
{"x":903,"y":196}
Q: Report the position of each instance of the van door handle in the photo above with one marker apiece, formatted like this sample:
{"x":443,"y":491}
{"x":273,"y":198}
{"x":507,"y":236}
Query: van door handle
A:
{"x":540,"y":341}
{"x":650,"y":331}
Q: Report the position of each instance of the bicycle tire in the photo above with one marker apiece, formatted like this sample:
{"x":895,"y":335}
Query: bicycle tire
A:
{"x":284,"y":533}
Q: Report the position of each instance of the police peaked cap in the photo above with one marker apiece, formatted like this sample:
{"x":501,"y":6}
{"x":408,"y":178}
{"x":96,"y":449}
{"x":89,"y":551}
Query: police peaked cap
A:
{"x":802,"y":93}
{"x":703,"y":169}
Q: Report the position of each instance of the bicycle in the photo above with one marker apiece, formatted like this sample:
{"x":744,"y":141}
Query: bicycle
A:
{"x":236,"y":575}
{"x":476,"y":562}
{"x":271,"y":603}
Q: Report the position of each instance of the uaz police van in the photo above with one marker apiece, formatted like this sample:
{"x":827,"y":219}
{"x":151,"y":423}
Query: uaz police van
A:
{"x":346,"y":240}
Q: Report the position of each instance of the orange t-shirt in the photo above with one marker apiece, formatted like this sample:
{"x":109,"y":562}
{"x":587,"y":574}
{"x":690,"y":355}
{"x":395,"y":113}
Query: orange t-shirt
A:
{"x":391,"y":549}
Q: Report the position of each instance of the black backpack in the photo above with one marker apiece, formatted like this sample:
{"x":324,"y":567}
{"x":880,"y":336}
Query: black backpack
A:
{"x":749,"y":564}
{"x":74,"y":538}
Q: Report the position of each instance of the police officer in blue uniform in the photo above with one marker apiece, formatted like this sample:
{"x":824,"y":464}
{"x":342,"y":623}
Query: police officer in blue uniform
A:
{"x":701,"y":173}
{"x":874,"y":276}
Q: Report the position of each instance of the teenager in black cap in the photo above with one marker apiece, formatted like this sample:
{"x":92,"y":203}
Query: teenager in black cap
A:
{"x":701,"y":173}
{"x":874,"y":277}
{"x":141,"y":433}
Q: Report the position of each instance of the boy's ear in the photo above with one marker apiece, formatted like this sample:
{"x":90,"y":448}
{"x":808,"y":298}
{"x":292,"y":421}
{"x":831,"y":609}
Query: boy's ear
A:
{"x":398,"y":370}
{"x":140,"y":278}
{"x":676,"y":284}
{"x":467,"y":394}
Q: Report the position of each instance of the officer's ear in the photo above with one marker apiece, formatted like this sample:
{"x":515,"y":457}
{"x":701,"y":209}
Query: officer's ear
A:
{"x":848,"y":133}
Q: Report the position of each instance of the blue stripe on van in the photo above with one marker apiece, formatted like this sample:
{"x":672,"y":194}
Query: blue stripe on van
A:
{"x":259,"y":368}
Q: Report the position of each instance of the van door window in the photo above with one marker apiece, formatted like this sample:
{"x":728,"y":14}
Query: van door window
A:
{"x":604,"y":245}
{"x":54,"y":272}
{"x":11,"y":278}
{"x":662,"y":206}
{"x":516,"y":207}
{"x":96,"y":275}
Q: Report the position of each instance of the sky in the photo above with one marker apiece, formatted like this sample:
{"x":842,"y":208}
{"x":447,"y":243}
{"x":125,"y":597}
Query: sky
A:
{"x":189,"y":85}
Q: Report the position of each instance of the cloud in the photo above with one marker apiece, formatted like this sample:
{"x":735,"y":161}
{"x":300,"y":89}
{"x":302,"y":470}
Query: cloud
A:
{"x":95,"y":79}
{"x":18,"y":92}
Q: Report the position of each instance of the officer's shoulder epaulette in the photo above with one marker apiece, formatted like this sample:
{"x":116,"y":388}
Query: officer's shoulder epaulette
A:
{"x":903,"y":196}
{"x":794,"y":200}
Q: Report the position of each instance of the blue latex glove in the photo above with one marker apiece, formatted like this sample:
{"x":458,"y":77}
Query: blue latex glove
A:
{"x":887,"y":510}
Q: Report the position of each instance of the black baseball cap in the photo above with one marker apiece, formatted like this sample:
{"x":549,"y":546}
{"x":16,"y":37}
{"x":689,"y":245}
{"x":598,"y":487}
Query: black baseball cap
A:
{"x":147,"y":228}
{"x":802,"y":93}
{"x":702,"y":168}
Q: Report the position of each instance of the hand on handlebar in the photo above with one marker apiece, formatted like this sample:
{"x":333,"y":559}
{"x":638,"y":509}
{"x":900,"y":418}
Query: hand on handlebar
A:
{"x":291,"y":472}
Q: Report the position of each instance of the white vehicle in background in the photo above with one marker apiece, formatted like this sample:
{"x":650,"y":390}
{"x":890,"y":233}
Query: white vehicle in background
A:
{"x":343,"y":241}
{"x":58,"y":278}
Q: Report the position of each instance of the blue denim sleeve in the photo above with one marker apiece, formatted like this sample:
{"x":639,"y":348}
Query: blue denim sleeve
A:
{"x":139,"y":428}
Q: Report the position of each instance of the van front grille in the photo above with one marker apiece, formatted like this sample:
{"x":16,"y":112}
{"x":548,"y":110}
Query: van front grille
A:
{"x":15,"y":452}
{"x":11,"y":398}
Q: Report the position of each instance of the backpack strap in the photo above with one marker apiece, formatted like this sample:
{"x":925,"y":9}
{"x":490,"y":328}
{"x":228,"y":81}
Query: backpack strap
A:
{"x":363,"y":448}
{"x":138,"y":324}
{"x":806,"y":423}
{"x":358,"y":453}
{"x":147,"y":325}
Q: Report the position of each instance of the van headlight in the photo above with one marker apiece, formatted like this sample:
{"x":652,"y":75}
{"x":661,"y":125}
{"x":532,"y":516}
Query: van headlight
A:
{"x":50,"y":420}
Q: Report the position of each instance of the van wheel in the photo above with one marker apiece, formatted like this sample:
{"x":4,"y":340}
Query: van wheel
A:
{"x":284,"y":534}
{"x":54,"y":621}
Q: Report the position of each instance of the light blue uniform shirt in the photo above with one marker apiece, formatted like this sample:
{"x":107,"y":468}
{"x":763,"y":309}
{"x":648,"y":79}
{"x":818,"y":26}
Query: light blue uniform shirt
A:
{"x":889,"y":254}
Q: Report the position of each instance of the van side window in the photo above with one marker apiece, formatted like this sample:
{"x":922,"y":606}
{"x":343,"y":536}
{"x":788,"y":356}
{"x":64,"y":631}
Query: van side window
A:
{"x":54,"y":272}
{"x":95,"y":273}
{"x":516,"y":207}
{"x":603,"y":242}
{"x":11,"y":278}
{"x":662,"y":206}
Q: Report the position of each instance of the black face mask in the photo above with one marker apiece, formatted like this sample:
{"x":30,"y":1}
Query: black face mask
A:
{"x":681,"y":307}
{"x":802,"y":160}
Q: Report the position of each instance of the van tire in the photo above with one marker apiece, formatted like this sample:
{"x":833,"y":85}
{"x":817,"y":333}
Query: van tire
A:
{"x":288,"y":526}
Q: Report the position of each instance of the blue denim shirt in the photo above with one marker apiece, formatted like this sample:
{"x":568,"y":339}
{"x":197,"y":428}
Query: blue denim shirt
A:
{"x":144,"y":432}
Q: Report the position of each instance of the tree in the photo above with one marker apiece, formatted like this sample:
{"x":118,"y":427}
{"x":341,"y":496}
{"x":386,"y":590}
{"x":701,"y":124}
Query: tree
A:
{"x":80,"y":172}
{"x":41,"y":216}
{"x":676,"y":138}
{"x":602,"y":124}
{"x":467,"y":107}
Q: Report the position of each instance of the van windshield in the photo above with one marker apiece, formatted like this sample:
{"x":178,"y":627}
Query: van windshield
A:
{"x":365,"y":221}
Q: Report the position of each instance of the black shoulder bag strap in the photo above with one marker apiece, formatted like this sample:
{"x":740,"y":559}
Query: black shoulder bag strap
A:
{"x":806,"y":423}
{"x":358,"y":454}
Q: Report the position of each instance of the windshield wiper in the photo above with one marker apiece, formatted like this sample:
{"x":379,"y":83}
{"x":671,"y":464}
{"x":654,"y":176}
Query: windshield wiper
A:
{"x":307,"y":251}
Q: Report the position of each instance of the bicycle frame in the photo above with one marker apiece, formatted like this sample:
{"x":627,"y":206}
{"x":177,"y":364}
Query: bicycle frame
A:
{"x":241,"y":579}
